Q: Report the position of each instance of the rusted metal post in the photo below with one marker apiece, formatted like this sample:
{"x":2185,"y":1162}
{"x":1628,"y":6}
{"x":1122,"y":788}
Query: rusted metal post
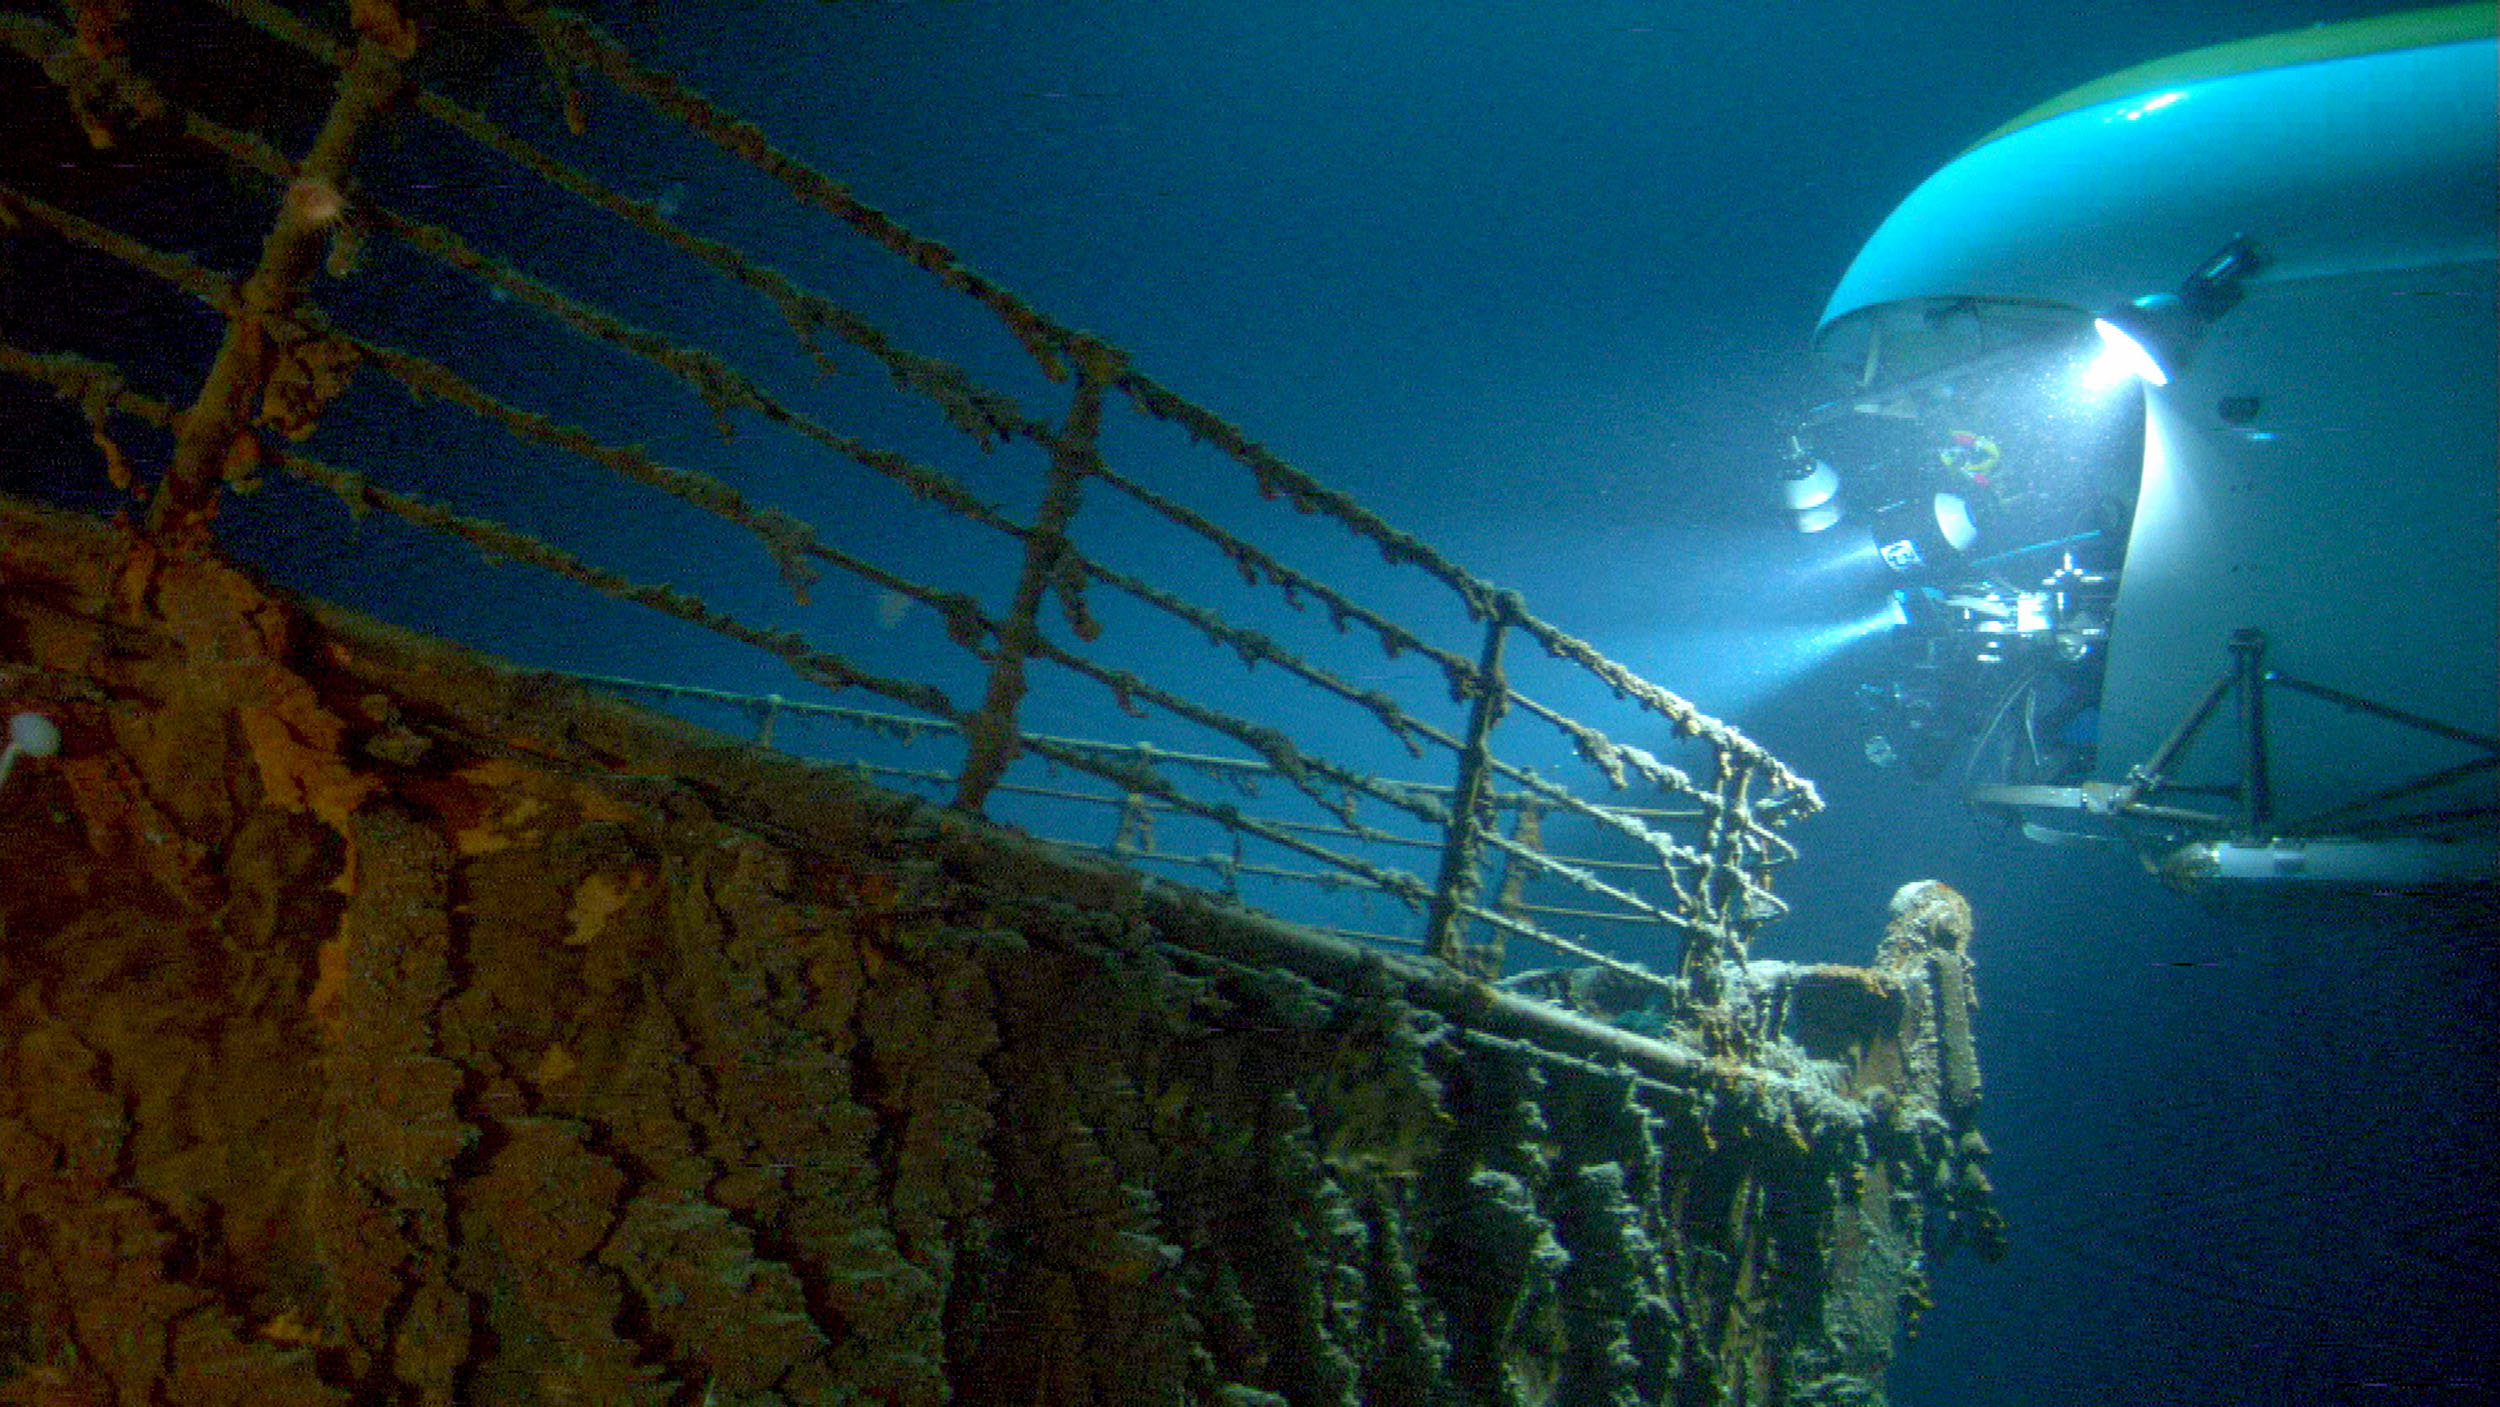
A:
{"x":1445,"y":924}
{"x":1483,"y":958}
{"x":990,"y":735}
{"x":1722,"y":886}
{"x":314,"y":202}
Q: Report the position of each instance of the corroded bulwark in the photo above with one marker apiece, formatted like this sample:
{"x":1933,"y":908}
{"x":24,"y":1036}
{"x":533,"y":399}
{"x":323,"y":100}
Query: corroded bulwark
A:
{"x":377,"y":1024}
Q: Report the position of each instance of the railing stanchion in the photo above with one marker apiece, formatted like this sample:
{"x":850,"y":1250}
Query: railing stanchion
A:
{"x":215,"y":435}
{"x":1445,"y":925}
{"x":990,"y":734}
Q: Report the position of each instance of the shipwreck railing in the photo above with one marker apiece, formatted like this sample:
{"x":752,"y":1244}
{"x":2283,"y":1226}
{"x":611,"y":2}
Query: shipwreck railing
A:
{"x":1106,"y":589}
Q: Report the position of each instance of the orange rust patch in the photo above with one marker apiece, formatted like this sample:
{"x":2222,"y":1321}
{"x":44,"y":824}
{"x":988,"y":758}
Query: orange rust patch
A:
{"x":597,"y":805}
{"x":499,"y":813}
{"x":555,"y":1066}
{"x":327,"y":1004}
{"x":600,"y":898}
{"x":295,"y":743}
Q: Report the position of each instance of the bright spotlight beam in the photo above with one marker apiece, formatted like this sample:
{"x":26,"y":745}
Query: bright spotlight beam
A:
{"x":2121,"y":357}
{"x":1730,"y":672}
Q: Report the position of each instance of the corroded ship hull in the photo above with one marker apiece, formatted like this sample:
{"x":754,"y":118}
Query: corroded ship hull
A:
{"x":496,"y":1042}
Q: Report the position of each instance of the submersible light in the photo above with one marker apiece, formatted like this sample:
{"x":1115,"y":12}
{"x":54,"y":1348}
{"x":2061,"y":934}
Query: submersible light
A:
{"x":2150,"y":338}
{"x":1918,"y":533}
{"x":1809,"y":488}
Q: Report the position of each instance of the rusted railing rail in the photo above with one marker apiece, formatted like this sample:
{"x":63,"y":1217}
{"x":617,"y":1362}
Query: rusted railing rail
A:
{"x":1129,"y":830}
{"x":1695,"y":844}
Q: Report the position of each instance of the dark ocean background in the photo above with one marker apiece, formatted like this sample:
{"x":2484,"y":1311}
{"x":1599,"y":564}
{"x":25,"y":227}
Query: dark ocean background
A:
{"x":1536,"y":282}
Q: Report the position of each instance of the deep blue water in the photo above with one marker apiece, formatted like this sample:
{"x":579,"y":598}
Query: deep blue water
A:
{"x":1535,"y":281}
